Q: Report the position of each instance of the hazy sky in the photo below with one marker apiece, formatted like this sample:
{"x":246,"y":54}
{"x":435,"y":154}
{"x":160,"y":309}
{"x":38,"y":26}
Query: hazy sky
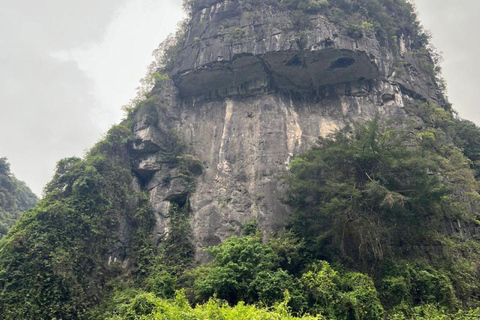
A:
{"x":455,"y":25}
{"x":67,"y":67}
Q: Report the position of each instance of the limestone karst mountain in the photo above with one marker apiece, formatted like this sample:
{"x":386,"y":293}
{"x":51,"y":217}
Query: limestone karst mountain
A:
{"x":253,"y":85}
{"x":243,"y":94}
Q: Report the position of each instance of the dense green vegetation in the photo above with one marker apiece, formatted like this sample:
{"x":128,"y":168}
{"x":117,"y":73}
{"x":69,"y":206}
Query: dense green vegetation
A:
{"x":143,"y":306}
{"x":362,"y":184}
{"x":385,"y":202}
{"x":248,"y":270}
{"x":148,"y":306}
{"x":273,"y":276}
{"x":53,"y":263}
{"x":15,"y":198}
{"x":467,"y":137}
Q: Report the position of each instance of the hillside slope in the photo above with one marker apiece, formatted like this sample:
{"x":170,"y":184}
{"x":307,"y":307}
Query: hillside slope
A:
{"x":15,"y":197}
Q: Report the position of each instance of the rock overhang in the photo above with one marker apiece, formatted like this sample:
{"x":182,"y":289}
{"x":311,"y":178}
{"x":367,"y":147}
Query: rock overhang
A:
{"x":297,"y":71}
{"x":242,"y":48}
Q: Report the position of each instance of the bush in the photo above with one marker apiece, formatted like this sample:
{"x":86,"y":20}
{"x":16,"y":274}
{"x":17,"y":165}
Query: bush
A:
{"x":354,"y":32}
{"x":308,"y":6}
{"x":146,"y":306}
{"x":56,"y":256}
{"x":348,"y":295}
{"x":236,"y":264}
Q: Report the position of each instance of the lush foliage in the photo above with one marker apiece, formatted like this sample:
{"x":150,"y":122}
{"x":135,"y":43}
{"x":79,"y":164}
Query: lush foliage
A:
{"x":467,"y":136}
{"x":15,"y":197}
{"x":242,"y":270}
{"x":353,"y":193}
{"x":245,"y":269}
{"x":53,"y":264}
{"x":147,"y":306}
{"x":389,"y":19}
{"x":380,"y":200}
{"x":341,"y":295}
{"x":249,"y":269}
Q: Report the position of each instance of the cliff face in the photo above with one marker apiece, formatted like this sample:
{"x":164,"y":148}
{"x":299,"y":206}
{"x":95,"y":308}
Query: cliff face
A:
{"x":254,"y":85}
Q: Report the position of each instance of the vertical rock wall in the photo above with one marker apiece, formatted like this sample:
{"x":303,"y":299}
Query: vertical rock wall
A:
{"x":250,"y":92}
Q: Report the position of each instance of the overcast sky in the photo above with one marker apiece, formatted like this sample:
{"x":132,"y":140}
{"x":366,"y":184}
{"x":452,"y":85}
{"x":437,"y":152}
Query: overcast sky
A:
{"x":67,"y":67}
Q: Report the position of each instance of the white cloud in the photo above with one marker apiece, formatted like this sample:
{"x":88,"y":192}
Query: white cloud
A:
{"x":118,"y":63}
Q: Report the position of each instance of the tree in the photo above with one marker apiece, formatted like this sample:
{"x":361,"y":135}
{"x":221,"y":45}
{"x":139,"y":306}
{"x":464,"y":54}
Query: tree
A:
{"x":365,"y":197}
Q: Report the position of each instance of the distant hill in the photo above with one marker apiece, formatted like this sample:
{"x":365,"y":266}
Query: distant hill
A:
{"x":15,"y":197}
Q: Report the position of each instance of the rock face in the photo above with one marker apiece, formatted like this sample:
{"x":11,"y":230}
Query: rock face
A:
{"x":249,"y":91}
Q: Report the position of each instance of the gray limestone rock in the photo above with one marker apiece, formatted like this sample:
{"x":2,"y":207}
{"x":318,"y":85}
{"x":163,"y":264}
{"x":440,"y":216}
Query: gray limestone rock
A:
{"x":249,"y":93}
